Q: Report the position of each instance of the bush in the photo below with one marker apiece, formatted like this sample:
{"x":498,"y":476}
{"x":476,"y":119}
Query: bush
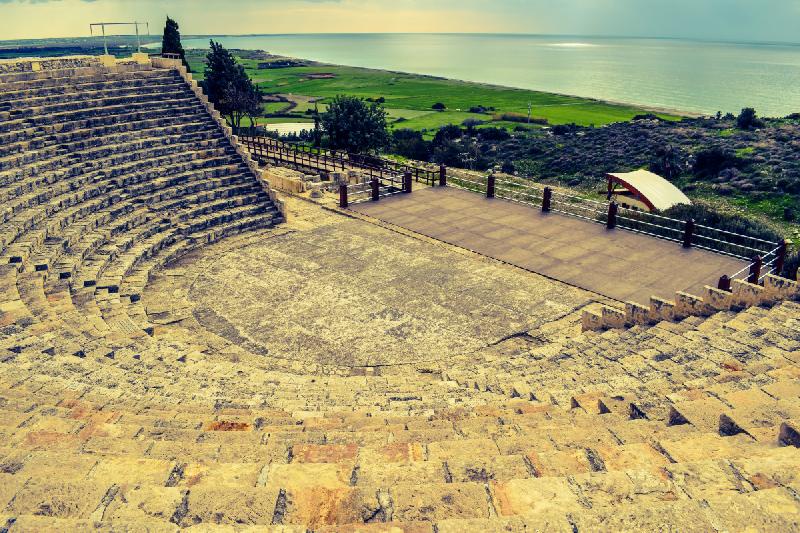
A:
{"x":494,"y":134}
{"x":748,"y":120}
{"x":519,"y":117}
{"x":447,"y":133}
{"x":647,"y":116}
{"x":564,"y":129}
{"x":448,"y":152}
{"x":470,"y":124}
{"x":438,"y":106}
{"x":409,"y":143}
{"x":709,"y":163}
{"x":477,"y":109}
{"x":508,"y":167}
{"x":706,"y":216}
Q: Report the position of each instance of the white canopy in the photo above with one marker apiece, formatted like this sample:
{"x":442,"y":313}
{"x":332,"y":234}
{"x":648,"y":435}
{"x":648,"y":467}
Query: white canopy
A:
{"x":652,"y":189}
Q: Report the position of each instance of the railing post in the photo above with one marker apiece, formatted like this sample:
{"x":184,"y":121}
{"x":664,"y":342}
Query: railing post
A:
{"x":781,"y":259}
{"x":407,"y":182}
{"x":547,"y":197}
{"x":688,"y":232}
{"x":724,"y":283}
{"x":343,"y":195}
{"x":376,"y":193}
{"x":755,"y":270}
{"x":442,"y":176}
{"x":611,"y":222}
{"x":490,"y":185}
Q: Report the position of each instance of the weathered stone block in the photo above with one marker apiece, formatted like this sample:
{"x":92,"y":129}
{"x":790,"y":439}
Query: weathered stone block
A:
{"x":689,"y":305}
{"x":747,"y":294}
{"x":661,"y":309}
{"x":717,"y":299}
{"x":780,"y":288}
{"x":637,"y":314}
{"x":591,"y":321}
{"x":613,"y":318}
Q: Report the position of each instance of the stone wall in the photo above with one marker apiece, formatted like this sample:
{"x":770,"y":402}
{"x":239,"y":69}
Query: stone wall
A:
{"x":742,"y":296}
{"x":35,"y":64}
{"x":161,"y":62}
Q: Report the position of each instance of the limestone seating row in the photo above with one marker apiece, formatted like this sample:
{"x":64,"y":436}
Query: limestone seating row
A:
{"x":58,"y":150}
{"x":83,"y":174}
{"x":85,"y":238}
{"x":110,"y":181}
{"x":69,"y":175}
{"x":147,"y":240}
{"x":57,"y":75}
{"x":665,"y":357}
{"x":743,"y":294}
{"x":83,"y":88}
{"x":19,"y":139}
{"x":108,"y":98}
{"x":155,"y":467}
{"x":166,"y":103}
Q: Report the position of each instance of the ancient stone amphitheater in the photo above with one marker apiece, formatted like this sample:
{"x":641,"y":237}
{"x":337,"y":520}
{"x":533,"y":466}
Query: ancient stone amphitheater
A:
{"x":171,"y":356}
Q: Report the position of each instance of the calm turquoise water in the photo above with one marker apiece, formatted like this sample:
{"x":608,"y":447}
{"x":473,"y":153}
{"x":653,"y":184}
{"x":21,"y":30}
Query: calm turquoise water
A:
{"x":688,"y":75}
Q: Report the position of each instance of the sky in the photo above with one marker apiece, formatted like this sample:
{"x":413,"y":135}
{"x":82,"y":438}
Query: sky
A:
{"x":728,"y":20}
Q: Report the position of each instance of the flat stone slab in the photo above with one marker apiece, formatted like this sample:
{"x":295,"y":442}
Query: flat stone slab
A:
{"x":618,"y":264}
{"x":342,"y":292}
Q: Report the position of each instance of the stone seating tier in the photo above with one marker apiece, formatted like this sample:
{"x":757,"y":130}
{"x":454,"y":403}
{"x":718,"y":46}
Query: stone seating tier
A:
{"x":120,"y":409}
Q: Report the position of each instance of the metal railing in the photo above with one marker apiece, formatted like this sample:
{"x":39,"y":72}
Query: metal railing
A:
{"x":685,"y":232}
{"x":333,"y":160}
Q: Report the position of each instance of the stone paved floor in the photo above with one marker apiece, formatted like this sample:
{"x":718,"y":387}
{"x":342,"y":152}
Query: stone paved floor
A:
{"x":337,"y":291}
{"x":618,"y":264}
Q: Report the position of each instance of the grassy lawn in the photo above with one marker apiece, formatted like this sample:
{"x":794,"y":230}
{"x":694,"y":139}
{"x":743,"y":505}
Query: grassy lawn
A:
{"x":411,"y":96}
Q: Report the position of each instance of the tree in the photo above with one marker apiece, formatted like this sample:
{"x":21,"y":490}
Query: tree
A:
{"x":438,"y":106}
{"x":229,"y":88}
{"x":171,"y":42}
{"x":409,"y":143}
{"x":748,"y":120}
{"x":354,"y":125}
{"x":446,"y":133}
{"x":667,"y":162}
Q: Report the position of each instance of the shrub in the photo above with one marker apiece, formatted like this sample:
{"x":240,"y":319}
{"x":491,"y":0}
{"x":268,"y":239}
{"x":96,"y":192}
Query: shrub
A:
{"x":447,"y":133}
{"x":519,"y":117}
{"x":508,"y":167}
{"x":477,"y":109}
{"x":470,"y":124}
{"x":409,"y":143}
{"x":564,"y":129}
{"x":494,"y":134}
{"x":710,"y":162}
{"x":748,"y":120}
{"x":647,"y":116}
{"x":438,"y":106}
{"x":707,"y":216}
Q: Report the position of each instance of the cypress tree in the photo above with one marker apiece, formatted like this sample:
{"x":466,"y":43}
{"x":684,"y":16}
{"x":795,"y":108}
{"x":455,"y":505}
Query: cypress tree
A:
{"x":229,"y":87}
{"x":171,"y":42}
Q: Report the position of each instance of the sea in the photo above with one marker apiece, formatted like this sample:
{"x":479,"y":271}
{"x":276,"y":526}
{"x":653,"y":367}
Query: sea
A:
{"x":693,"y":76}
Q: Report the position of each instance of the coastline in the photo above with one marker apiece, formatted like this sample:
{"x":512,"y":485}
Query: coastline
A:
{"x":643,"y":107}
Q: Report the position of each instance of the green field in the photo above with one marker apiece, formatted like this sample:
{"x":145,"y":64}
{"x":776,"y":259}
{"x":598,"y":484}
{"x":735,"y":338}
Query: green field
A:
{"x":412,"y":96}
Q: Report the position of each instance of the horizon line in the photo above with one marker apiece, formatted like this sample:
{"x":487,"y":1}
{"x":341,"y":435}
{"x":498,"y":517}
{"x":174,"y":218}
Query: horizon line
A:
{"x":510,"y":34}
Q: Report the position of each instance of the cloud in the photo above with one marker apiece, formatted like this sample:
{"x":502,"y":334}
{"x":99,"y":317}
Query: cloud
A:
{"x":765,"y":20}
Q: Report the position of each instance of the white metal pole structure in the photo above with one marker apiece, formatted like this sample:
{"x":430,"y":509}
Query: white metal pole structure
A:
{"x":105,"y":39}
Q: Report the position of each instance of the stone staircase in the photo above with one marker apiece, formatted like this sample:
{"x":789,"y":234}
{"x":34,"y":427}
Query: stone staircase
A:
{"x":119,"y":416}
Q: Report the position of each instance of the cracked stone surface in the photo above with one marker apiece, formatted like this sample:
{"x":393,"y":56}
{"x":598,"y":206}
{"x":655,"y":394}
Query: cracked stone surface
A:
{"x":346,"y":293}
